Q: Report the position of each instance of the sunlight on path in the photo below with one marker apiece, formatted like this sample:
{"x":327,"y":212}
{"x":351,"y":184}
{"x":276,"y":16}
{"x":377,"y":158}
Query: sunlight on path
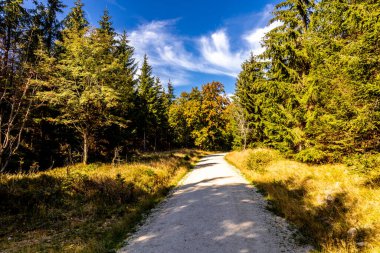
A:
{"x":214,"y":210}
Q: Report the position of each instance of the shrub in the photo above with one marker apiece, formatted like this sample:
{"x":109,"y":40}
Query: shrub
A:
{"x":363,"y":163}
{"x":258,"y":159}
{"x":312,"y":155}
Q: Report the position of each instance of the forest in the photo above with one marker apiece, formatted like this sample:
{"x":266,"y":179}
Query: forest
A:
{"x":71,"y":92}
{"x":91,"y":139}
{"x":314,"y":93}
{"x":307,"y":113}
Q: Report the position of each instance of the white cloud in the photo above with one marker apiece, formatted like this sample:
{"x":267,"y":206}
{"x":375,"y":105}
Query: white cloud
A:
{"x":255,"y":36}
{"x":114,"y":2}
{"x":178,"y":77}
{"x":170,"y":56}
{"x":216,"y":51}
{"x":166,"y":52}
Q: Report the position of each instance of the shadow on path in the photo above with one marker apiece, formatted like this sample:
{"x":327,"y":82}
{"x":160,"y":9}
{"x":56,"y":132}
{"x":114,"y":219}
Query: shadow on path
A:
{"x":215,"y":210}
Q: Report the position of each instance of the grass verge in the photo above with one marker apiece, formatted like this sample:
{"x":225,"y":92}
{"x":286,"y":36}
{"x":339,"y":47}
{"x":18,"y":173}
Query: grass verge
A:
{"x":333,"y":204}
{"x":85,"y":208}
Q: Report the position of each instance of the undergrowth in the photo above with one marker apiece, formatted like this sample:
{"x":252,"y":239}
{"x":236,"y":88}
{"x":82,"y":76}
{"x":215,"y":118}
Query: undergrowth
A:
{"x":335,"y":205}
{"x":84,"y":208}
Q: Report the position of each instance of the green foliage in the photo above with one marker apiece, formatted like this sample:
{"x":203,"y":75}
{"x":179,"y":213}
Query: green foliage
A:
{"x":313,"y":90}
{"x":153,"y":105}
{"x":259,"y":159}
{"x":76,"y":19}
{"x":81,"y":89}
{"x":312,"y":155}
{"x":200,"y":118}
{"x":68,"y":84}
{"x":364,"y":163}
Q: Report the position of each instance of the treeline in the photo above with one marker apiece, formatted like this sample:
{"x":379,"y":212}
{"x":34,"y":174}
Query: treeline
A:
{"x":315,"y":91}
{"x":201,"y":118}
{"x":70,"y":92}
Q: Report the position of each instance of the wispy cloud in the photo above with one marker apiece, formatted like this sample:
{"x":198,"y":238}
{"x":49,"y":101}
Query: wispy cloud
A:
{"x":166,"y":51}
{"x":255,"y":36}
{"x":216,"y":51}
{"x":114,"y":2}
{"x":171,"y":56}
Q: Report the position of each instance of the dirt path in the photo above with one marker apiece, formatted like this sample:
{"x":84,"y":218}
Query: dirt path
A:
{"x":214,"y":210}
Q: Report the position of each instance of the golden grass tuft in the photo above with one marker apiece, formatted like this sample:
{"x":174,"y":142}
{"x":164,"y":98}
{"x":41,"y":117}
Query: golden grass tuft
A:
{"x":85,"y":208}
{"x":336,"y":207}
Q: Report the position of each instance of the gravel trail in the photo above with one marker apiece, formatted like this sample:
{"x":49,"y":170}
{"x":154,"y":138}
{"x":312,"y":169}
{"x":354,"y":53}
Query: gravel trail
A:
{"x":214,"y":210}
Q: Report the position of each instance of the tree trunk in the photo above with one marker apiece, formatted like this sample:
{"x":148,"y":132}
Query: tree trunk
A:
{"x":144,"y":141}
{"x":245,"y":141}
{"x":85,"y":147}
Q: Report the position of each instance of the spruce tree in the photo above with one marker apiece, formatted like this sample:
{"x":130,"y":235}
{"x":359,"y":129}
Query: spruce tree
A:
{"x":76,"y":19}
{"x":51,"y":24}
{"x":17,"y":89}
{"x":249,"y":96}
{"x":147,"y":94}
{"x":283,"y":44}
{"x":81,"y":89}
{"x":125,"y":81}
{"x":313,"y":89}
{"x":342,"y":114}
{"x":170,"y":92}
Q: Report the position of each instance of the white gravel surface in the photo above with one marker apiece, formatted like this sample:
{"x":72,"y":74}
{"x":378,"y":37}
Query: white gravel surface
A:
{"x":213,"y":210}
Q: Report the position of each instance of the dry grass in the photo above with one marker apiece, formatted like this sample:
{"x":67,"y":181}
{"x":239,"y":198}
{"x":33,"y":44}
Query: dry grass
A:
{"x":84,"y":208}
{"x":338,"y":208}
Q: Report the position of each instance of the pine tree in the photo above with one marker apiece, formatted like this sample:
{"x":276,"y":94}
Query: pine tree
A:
{"x":52,"y":25}
{"x":284,"y":47}
{"x":313,"y":89}
{"x":147,"y":94}
{"x":17,"y":90}
{"x":125,"y":81}
{"x":170,"y":93}
{"x":247,"y":97}
{"x":76,"y":19}
{"x":81,"y":89}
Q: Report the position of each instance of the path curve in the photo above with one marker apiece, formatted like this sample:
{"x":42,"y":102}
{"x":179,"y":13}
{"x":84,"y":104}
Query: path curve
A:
{"x":215,"y":210}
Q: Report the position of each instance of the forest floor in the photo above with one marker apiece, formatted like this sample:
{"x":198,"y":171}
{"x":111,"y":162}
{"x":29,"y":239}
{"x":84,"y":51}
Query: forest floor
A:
{"x":85,"y":208}
{"x":214,"y":210}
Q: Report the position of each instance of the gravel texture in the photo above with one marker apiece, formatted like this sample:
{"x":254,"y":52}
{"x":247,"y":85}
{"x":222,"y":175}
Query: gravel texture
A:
{"x":214,"y":210}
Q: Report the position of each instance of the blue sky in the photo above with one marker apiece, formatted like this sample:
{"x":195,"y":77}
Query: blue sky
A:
{"x":190,"y":42}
